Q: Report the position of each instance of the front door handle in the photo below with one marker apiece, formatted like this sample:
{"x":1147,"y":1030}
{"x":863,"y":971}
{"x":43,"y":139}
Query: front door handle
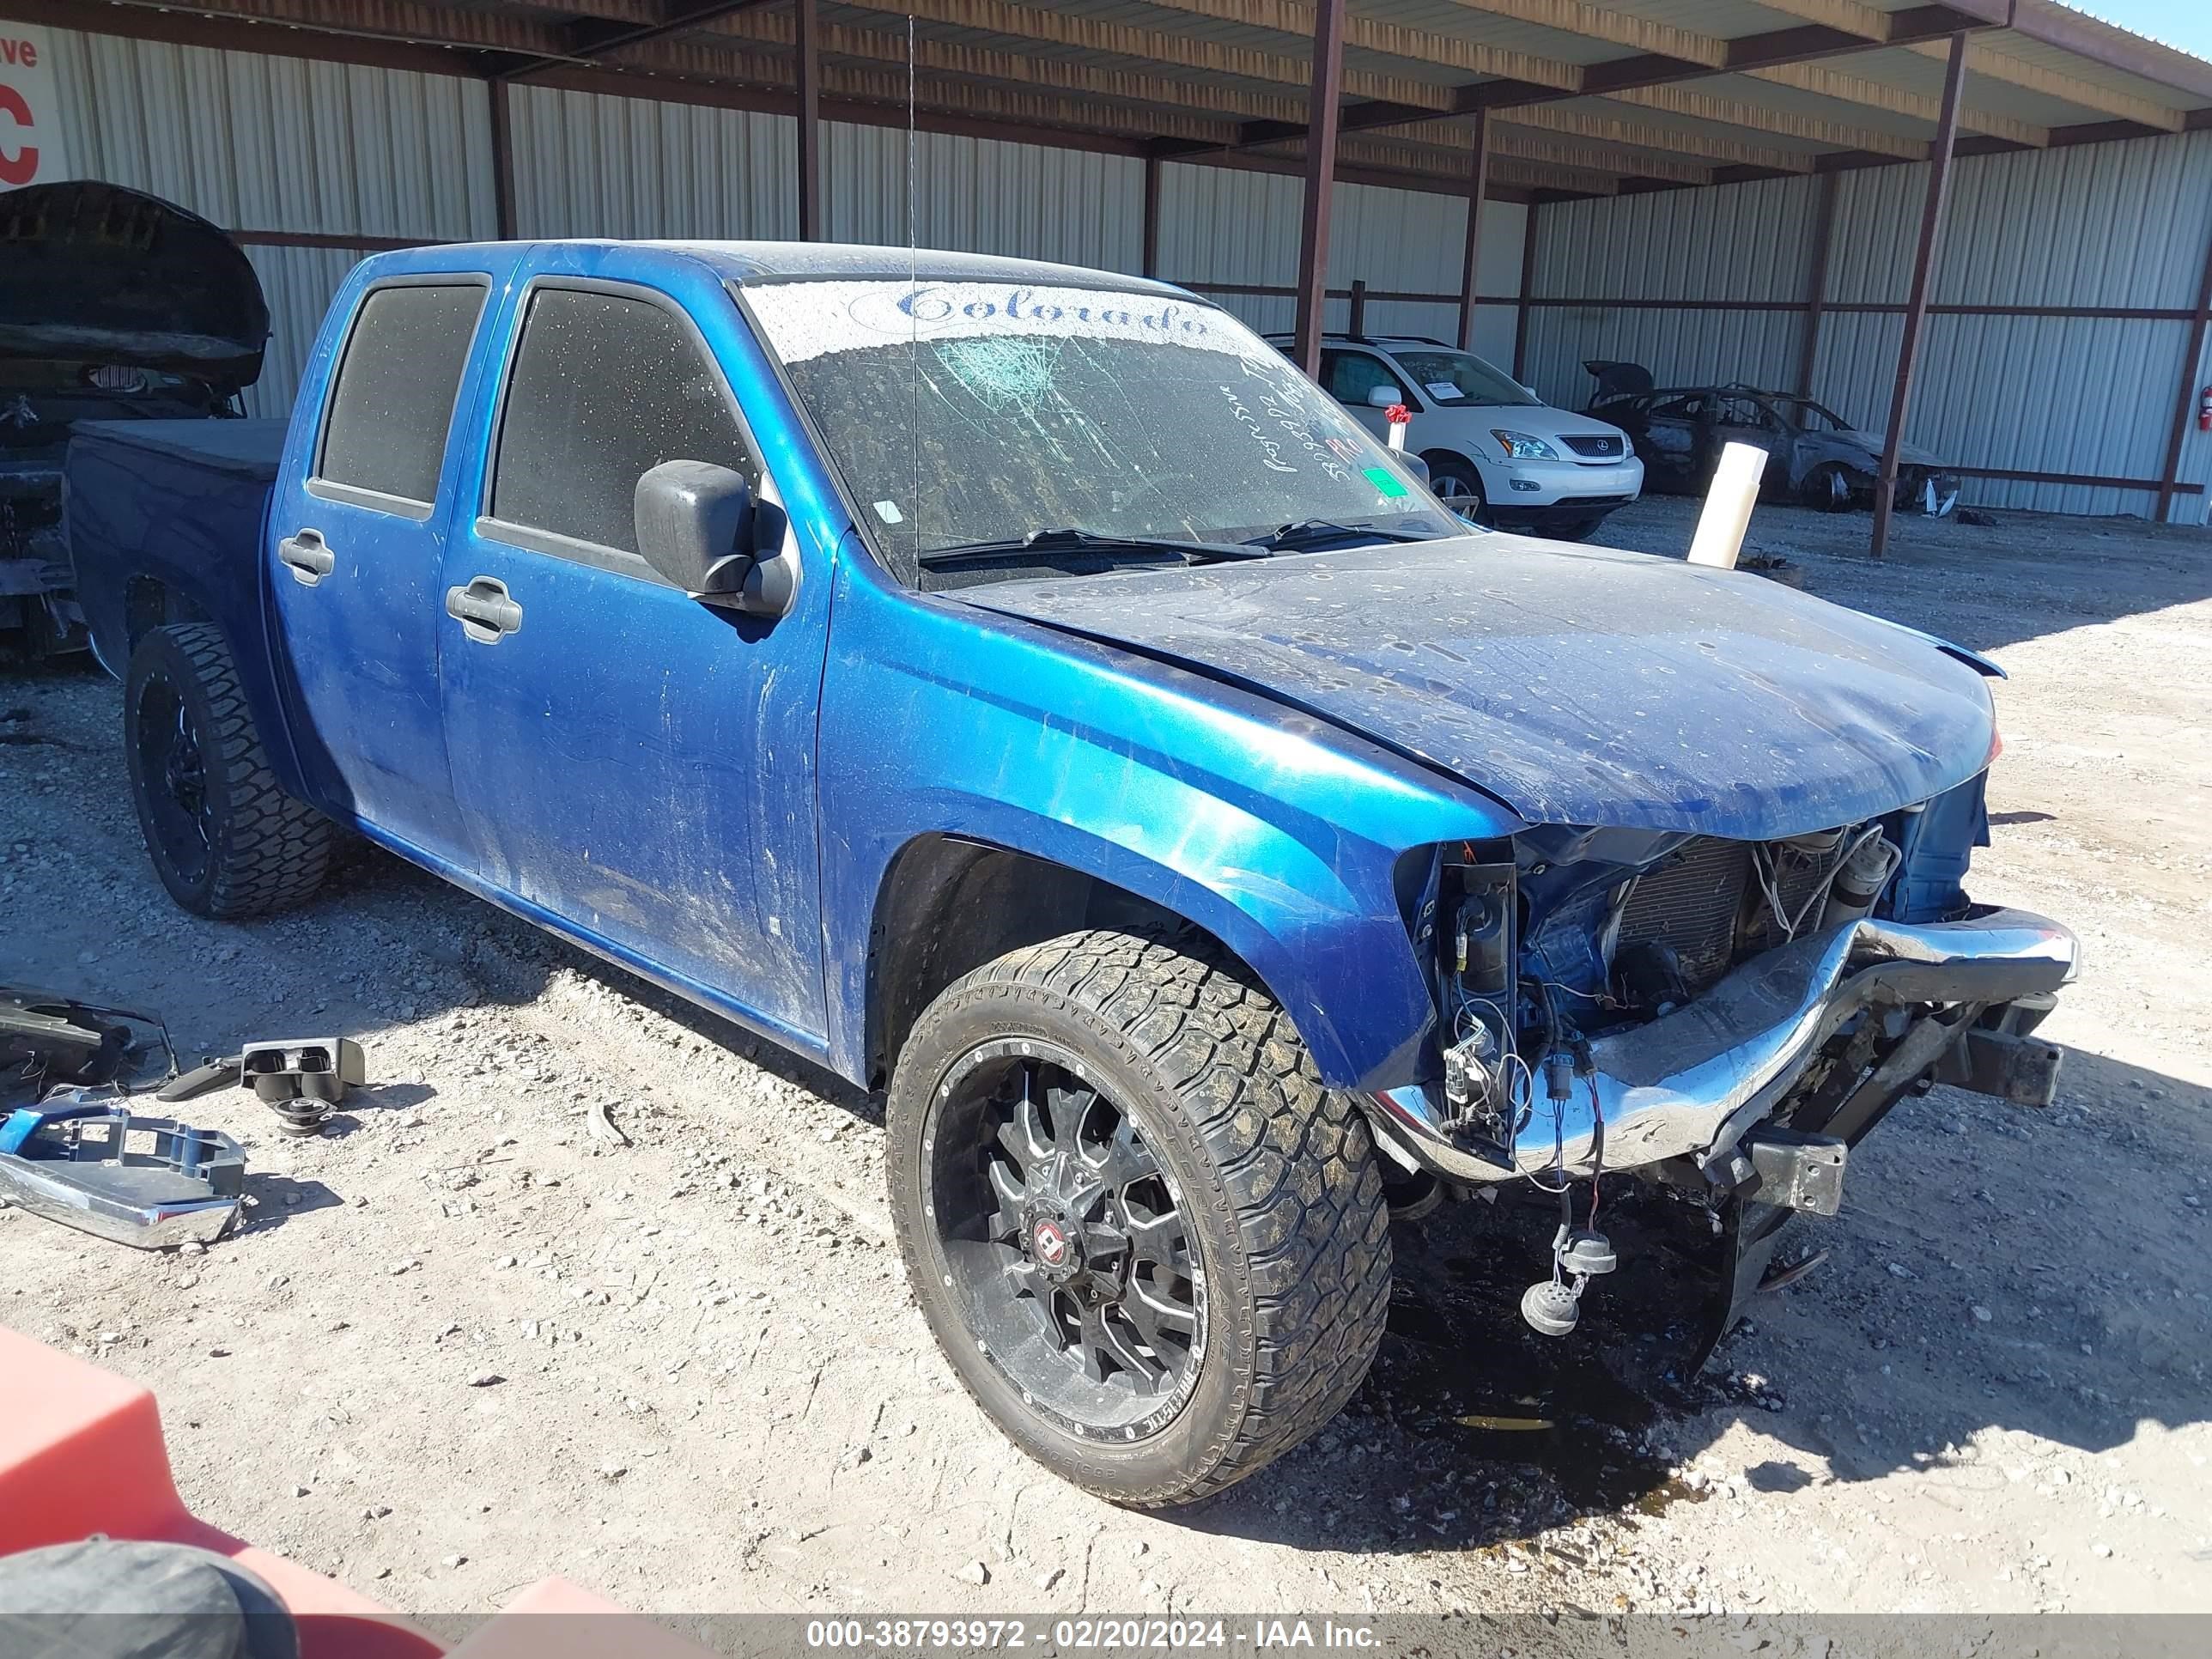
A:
{"x":482,"y":608}
{"x":310,"y":558}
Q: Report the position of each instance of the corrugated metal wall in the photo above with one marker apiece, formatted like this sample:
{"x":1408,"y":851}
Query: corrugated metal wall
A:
{"x":256,"y":142}
{"x":590,"y":165}
{"x":289,"y":145}
{"x":1745,"y":242}
{"x":1223,"y":225}
{"x":2112,"y":225}
{"x":273,"y":144}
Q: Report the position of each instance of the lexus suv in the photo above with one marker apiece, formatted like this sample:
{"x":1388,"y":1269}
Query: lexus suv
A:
{"x":1495,"y":450}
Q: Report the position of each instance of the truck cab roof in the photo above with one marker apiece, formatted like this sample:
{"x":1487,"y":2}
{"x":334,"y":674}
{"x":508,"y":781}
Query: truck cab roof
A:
{"x":759,"y":261}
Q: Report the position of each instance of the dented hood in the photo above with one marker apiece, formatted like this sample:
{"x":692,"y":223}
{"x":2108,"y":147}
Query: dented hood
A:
{"x":95,"y":274}
{"x":1577,"y":685}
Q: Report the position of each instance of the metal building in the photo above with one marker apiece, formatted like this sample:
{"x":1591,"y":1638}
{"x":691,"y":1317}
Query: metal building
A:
{"x":1725,"y":190}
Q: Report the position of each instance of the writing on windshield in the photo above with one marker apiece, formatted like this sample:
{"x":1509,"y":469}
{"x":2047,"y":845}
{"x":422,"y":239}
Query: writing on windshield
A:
{"x":972,"y":412}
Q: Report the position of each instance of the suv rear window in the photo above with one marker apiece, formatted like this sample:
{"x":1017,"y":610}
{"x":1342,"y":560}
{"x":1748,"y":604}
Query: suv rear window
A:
{"x":605,"y":388}
{"x":393,"y":399}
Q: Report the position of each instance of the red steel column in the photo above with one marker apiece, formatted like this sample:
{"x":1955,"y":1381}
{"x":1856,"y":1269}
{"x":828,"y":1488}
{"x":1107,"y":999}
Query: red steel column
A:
{"x":1477,"y":181}
{"x":1915,"y":308}
{"x":1151,"y":230}
{"x":1322,"y":105}
{"x":1527,"y":282}
{"x":1816,"y":286}
{"x":2185,"y":408}
{"x":810,"y":120}
{"x":502,"y":158}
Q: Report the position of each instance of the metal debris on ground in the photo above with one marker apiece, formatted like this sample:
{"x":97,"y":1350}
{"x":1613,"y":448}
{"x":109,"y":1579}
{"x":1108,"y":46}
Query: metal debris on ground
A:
{"x":604,"y":1126}
{"x":302,"y":1079}
{"x":146,"y":1181}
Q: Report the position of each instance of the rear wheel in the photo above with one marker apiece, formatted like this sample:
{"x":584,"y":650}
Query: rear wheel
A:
{"x":1154,"y":1247}
{"x":225,"y":840}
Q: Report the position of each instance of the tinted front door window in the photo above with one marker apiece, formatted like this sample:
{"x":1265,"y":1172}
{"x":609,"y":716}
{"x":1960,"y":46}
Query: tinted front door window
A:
{"x":604,"y":388}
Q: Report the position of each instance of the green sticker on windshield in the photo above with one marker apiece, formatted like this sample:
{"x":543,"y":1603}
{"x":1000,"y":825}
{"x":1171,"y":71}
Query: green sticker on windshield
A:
{"x":1387,"y":481}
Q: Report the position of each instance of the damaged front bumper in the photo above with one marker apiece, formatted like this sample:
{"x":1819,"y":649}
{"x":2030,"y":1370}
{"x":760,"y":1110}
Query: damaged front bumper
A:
{"x":1691,"y":1083}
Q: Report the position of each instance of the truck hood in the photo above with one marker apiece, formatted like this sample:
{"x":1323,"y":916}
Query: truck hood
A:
{"x":1576,"y":685}
{"x":95,"y":274}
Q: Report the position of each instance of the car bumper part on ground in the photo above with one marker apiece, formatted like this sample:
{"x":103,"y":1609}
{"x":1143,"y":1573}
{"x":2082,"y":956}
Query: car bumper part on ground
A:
{"x":1692,"y":1082}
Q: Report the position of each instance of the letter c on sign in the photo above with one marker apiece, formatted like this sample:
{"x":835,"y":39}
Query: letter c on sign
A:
{"x":19,"y":167}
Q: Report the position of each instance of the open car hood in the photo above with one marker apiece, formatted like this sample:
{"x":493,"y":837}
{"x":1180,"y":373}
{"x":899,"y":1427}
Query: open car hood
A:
{"x":1577,"y":685}
{"x":97,"y":274}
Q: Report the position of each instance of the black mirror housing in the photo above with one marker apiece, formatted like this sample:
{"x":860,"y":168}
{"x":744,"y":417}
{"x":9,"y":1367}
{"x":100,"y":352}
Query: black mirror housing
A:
{"x":695,"y":527}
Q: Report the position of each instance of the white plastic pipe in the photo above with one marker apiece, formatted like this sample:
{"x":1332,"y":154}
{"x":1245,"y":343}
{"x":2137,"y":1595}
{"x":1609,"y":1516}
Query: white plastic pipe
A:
{"x":1727,"y":516}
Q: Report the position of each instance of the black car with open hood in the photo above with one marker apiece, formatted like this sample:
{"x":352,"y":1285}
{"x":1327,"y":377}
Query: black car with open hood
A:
{"x":114,"y":304}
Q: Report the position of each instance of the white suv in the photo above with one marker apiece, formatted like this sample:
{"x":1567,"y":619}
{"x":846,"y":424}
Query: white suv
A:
{"x":1494,"y":449}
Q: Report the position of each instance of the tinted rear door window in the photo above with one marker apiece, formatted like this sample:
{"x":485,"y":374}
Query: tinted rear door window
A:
{"x":605,"y":388}
{"x":393,"y":401}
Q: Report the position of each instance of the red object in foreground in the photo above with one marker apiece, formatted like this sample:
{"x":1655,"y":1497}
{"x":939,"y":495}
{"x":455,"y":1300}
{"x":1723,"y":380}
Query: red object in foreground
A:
{"x":2205,"y":410}
{"x":82,"y":1452}
{"x":1398,"y":414}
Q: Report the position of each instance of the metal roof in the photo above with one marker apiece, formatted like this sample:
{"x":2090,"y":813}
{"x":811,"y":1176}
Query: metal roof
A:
{"x":1584,"y":98}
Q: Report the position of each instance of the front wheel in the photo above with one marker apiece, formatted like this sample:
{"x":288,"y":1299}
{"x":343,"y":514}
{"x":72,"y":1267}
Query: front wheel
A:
{"x":1154,"y":1247}
{"x":1827,"y":489}
{"x":1458,"y":484}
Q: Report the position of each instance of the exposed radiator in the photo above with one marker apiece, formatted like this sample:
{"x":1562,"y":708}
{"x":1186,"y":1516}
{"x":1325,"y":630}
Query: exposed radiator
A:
{"x":1689,"y":903}
{"x":1705,"y":904}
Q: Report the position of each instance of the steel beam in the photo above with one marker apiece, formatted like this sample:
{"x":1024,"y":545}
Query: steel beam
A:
{"x":1328,"y":88}
{"x":502,"y":160}
{"x":2185,"y":403}
{"x":1527,"y":282}
{"x":807,"y":36}
{"x":1816,"y":283}
{"x":1151,"y":246}
{"x":1916,"y":306}
{"x":1478,"y":182}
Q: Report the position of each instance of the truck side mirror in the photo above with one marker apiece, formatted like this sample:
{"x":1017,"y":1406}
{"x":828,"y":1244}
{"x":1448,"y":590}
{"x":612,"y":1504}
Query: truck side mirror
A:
{"x":700,"y":527}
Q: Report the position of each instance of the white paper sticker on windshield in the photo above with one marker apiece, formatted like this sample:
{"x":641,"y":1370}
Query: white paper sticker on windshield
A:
{"x":806,"y":321}
{"x":889,"y":513}
{"x":1442,"y":391}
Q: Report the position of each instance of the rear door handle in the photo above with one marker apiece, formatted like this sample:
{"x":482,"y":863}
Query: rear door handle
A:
{"x":310,"y":558}
{"x":482,"y":608}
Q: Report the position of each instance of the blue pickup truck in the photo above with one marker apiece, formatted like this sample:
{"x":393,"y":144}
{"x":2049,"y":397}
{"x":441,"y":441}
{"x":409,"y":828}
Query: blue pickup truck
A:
{"x":1017,"y":688}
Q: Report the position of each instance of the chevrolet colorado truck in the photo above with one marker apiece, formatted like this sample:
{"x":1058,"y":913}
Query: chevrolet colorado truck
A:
{"x":1017,"y":688}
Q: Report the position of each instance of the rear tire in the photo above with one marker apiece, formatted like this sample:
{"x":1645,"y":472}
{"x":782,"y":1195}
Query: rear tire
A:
{"x":225,"y":840}
{"x":1257,"y":1186}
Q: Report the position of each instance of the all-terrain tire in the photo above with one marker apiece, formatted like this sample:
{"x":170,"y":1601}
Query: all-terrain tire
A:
{"x":1277,"y":1175}
{"x":264,"y":850}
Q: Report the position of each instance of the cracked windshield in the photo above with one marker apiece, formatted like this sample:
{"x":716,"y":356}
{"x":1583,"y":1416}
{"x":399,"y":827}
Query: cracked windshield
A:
{"x":989,"y":430}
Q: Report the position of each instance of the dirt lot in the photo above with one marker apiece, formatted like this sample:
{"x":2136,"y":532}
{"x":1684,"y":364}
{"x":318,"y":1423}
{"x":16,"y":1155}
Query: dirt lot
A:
{"x":465,"y":1342}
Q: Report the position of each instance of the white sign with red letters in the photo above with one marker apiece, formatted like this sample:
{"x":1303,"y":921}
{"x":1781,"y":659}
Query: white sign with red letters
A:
{"x":30,"y":112}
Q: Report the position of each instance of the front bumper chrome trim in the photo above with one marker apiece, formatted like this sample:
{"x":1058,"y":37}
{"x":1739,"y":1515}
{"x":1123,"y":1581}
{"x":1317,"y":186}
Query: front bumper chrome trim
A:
{"x":1689,"y":1083}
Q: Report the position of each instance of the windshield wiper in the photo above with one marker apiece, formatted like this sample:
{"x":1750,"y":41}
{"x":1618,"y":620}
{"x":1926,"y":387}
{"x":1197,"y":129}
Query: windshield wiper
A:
{"x":1308,"y":532}
{"x":1084,"y":541}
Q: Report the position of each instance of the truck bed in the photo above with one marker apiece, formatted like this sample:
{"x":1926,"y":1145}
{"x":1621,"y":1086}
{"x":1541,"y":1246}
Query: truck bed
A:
{"x":147,"y":498}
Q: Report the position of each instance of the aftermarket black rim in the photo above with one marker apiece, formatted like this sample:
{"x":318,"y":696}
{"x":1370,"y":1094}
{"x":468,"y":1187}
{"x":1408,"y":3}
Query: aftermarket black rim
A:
{"x":173,"y":769}
{"x":1062,"y":1240}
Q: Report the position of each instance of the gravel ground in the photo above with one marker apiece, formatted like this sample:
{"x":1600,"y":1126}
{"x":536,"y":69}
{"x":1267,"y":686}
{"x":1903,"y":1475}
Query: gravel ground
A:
{"x":467,"y":1341}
